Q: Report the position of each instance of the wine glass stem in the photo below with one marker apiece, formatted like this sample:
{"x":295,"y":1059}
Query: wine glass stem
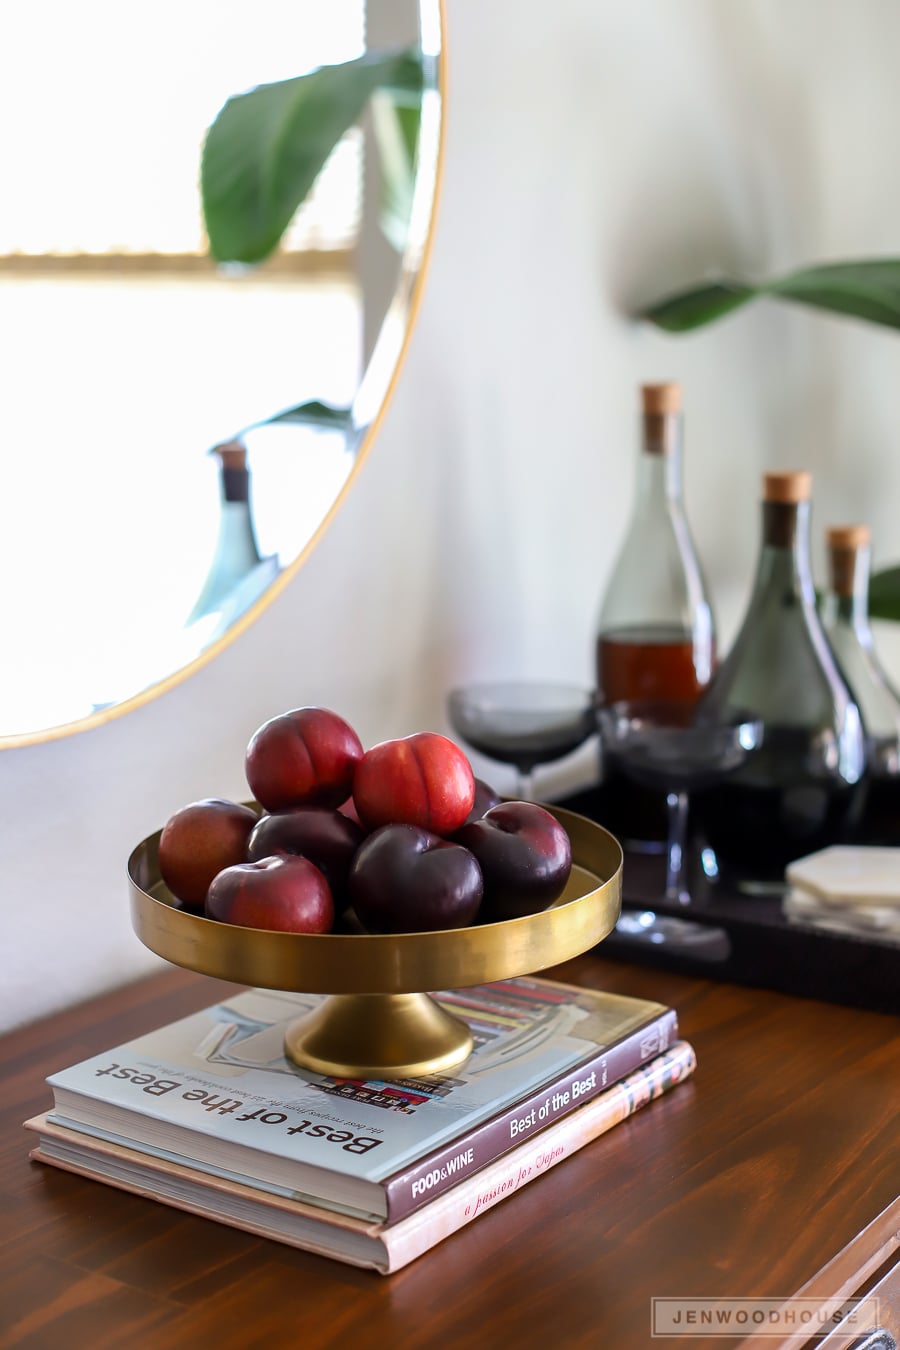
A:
{"x":676,"y":861}
{"x":525,"y":783}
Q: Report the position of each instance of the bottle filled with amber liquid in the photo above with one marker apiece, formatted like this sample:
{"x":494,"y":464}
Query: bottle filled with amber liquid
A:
{"x":845,"y":617}
{"x":655,"y":634}
{"x":802,"y":789}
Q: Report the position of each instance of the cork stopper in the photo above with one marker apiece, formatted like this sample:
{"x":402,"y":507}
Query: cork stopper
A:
{"x":233,"y":471}
{"x":661,"y":398}
{"x":848,"y":536}
{"x":845,"y":565}
{"x":791,"y":487}
{"x":232,"y":454}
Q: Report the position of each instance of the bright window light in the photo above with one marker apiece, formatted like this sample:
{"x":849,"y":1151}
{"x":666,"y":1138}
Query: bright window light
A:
{"x":105,"y":106}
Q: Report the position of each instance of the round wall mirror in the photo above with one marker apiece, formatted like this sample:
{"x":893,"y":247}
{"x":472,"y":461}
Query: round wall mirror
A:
{"x":179,"y":433}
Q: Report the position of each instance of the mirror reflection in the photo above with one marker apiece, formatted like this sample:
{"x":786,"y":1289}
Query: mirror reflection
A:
{"x":160,"y":479}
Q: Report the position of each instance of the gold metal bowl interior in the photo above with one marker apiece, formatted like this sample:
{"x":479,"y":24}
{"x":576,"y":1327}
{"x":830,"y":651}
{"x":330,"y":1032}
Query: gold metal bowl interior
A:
{"x":379,"y":1019}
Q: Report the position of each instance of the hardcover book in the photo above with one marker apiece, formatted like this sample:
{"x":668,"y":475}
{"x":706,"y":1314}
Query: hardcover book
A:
{"x":384,"y":1247}
{"x":215,"y":1092}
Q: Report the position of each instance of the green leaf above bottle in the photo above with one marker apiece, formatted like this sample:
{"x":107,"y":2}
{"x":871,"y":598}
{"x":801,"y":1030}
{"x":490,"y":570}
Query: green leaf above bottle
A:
{"x":868,"y":290}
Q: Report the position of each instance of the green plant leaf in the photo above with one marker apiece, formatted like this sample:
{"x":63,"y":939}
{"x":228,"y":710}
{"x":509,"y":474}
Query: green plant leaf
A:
{"x":884,"y":594}
{"x":692,"y":309}
{"x":265,"y":149}
{"x":868,"y":290}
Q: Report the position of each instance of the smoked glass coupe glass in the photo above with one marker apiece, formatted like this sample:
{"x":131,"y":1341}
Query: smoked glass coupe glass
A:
{"x":676,"y":747}
{"x":523,"y":723}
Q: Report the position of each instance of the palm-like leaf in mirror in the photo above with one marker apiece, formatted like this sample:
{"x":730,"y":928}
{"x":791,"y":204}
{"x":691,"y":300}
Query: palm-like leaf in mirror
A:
{"x":396,"y":120}
{"x":265,"y":149}
{"x":311,"y":414}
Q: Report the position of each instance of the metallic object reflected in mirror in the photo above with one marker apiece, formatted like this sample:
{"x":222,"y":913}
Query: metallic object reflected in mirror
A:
{"x":134,"y":556}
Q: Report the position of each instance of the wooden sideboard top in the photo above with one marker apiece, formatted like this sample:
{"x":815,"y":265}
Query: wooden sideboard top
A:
{"x":743,"y":1182}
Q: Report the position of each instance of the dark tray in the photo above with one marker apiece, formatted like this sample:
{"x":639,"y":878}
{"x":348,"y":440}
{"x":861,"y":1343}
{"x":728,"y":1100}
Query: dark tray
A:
{"x":744,"y":939}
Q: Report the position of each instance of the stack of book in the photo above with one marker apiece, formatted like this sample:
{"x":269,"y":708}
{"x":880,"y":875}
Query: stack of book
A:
{"x":208,"y":1115}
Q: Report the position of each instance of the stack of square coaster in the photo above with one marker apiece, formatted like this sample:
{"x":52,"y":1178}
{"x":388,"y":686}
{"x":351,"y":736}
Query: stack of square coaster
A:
{"x":847,"y":888}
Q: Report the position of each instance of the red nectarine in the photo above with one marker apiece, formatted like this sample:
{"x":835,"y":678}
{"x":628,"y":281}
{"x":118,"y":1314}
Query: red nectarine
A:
{"x":285,"y":893}
{"x":200,"y":839}
{"x":423,"y":780}
{"x":305,"y":757}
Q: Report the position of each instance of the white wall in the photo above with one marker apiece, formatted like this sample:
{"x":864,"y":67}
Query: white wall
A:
{"x":599,"y":152}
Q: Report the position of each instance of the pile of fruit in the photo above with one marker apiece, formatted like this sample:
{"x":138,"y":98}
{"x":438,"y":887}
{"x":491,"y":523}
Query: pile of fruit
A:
{"x":395,"y":839}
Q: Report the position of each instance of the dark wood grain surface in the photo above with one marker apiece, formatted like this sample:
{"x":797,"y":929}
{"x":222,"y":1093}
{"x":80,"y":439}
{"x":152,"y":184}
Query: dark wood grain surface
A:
{"x":744,"y":1182}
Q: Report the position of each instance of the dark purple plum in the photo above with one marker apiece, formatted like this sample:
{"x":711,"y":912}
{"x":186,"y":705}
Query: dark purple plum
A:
{"x":327,"y":838}
{"x":405,"y":879}
{"x":525,"y":857}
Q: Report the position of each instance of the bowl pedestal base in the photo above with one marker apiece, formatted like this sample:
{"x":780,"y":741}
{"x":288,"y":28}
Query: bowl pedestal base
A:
{"x":378,"y":1036}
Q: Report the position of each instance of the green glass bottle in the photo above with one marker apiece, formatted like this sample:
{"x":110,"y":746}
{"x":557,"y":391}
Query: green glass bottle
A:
{"x":801,"y":790}
{"x":845,"y":618}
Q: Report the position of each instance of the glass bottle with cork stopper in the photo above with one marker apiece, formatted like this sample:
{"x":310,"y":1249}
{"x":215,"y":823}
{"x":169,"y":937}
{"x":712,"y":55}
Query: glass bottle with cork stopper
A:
{"x":801,"y":790}
{"x":845,"y":618}
{"x":237,"y":556}
{"x":655,"y":633}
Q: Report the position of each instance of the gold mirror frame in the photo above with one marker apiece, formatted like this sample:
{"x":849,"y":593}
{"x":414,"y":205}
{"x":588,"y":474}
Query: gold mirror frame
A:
{"x":390,"y":352}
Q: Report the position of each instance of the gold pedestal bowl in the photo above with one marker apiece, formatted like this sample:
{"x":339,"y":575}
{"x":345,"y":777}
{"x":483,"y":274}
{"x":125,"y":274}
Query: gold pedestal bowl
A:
{"x":379,"y":1019}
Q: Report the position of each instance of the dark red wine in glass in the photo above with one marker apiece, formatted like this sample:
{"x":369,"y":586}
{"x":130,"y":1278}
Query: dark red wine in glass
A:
{"x":673,"y":747}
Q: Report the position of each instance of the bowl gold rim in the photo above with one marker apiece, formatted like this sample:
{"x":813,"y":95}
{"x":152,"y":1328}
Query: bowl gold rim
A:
{"x":339,"y":963}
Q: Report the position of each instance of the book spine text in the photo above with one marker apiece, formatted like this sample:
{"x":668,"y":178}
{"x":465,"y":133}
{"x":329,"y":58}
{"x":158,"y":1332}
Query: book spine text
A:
{"x":449,"y":1165}
{"x":423,"y":1230}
